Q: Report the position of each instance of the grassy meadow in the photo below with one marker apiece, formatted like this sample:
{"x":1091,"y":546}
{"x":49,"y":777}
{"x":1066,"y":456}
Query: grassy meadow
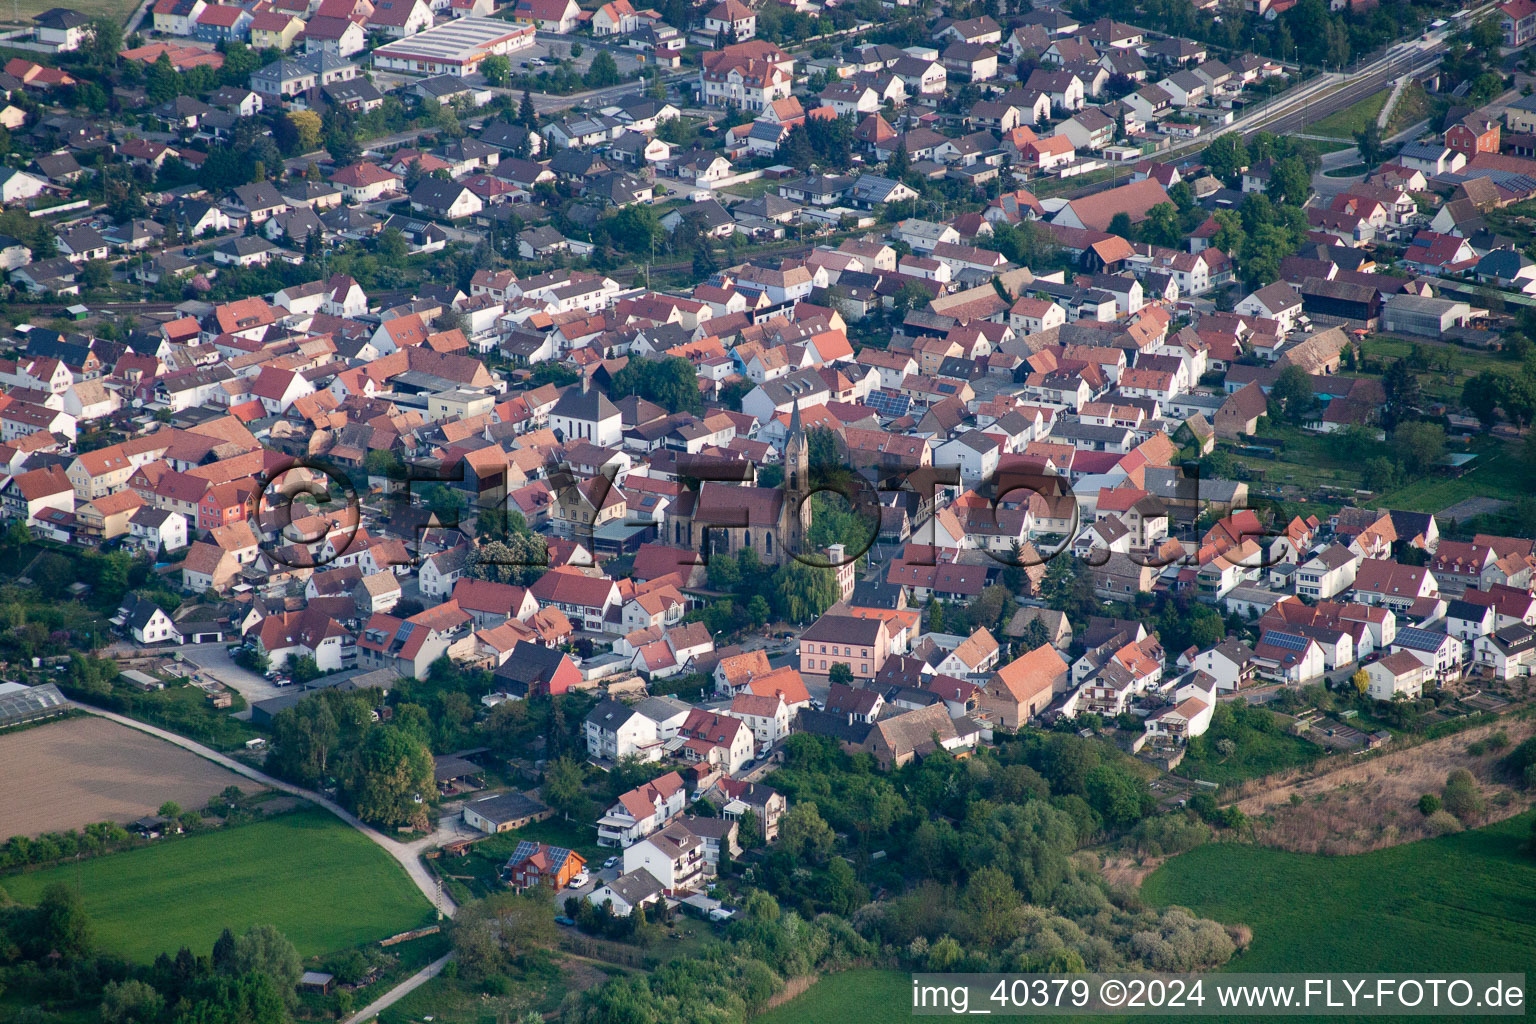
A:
{"x":323,"y":884}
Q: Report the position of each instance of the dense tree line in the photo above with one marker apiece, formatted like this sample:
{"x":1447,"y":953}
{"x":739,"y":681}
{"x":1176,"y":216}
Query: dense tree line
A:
{"x":977,"y":850}
{"x":671,"y":382}
{"x":381,"y":770}
{"x":48,"y":955}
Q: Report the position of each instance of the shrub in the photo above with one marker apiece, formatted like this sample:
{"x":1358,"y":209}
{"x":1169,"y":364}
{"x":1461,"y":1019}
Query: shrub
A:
{"x":1442,"y":823}
{"x":1428,"y":804}
{"x":1519,"y":762}
{"x":1462,"y":796}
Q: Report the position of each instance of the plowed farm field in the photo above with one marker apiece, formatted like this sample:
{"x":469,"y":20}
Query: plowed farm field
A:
{"x":71,"y":773}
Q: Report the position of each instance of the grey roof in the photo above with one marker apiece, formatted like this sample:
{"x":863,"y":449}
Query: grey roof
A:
{"x":610,"y":714}
{"x":506,"y":807}
{"x":577,"y":404}
{"x":636,"y":887}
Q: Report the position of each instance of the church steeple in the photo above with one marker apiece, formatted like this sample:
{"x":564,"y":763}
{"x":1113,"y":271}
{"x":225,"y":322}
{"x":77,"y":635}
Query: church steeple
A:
{"x":797,"y":458}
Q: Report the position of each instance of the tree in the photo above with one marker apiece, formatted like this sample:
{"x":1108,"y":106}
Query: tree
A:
{"x":1226,"y":156}
{"x":603,"y":72}
{"x":802,"y":592}
{"x":1289,"y":182}
{"x":563,"y":788}
{"x":497,"y":69}
{"x":60,"y":924}
{"x":1428,"y":804}
{"x":841,"y":672}
{"x":1292,"y":393}
{"x":1402,"y":389}
{"x":1120,"y":224}
{"x":384,"y":463}
{"x":1418,"y":445}
{"x":391,"y":247}
{"x":527,"y":115}
{"x":302,"y":668}
{"x":266,"y":951}
{"x":804,"y":836}
{"x":1481,"y":396}
{"x":1380,"y":473}
{"x":307,"y":125}
{"x":1368,"y":142}
{"x":130,"y":1002}
{"x":1462,"y":796}
{"x":1162,"y":226}
{"x":1361,"y":680}
{"x":391,"y":779}
{"x":670,"y":382}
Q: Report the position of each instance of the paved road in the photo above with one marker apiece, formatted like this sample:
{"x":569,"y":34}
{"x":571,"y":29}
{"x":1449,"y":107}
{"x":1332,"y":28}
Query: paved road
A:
{"x":407,"y":855}
{"x":214,"y":659}
{"x":401,"y":990}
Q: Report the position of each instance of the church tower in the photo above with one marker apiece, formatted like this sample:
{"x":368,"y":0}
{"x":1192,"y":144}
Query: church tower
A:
{"x":795,"y":517}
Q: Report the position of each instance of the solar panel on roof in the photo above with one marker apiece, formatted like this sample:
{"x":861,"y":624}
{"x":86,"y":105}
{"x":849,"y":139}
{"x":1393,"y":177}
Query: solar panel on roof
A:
{"x":1422,"y":639}
{"x":889,"y":404}
{"x":1286,"y":641}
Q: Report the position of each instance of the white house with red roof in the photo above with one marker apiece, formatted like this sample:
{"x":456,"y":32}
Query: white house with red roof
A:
{"x":767,"y":717}
{"x":587,"y":600}
{"x":723,"y":742}
{"x":643,"y":810}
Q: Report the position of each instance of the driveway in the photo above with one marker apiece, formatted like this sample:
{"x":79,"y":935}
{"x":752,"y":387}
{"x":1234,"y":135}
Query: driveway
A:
{"x":215,"y":661}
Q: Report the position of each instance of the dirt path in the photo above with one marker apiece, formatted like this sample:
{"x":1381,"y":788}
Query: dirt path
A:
{"x":1374,"y":803}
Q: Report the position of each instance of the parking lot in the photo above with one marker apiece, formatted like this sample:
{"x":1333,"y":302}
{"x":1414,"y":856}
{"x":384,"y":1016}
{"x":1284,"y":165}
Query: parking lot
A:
{"x":214,"y":660}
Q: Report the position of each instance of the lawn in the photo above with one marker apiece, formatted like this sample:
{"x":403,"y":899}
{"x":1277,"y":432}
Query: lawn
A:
{"x":1305,"y":463}
{"x":1256,"y":754}
{"x":117,"y":10}
{"x":852,"y":997}
{"x":1459,"y":903}
{"x":538,"y":984}
{"x":1342,"y":124}
{"x":1497,"y":474}
{"x":323,"y":884}
{"x":752,"y":189}
{"x":1413,"y":106}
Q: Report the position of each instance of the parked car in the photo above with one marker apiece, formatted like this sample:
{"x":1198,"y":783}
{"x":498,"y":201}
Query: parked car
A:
{"x":610,"y":862}
{"x":579,"y":880}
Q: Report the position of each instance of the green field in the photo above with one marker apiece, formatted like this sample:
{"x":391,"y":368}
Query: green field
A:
{"x":1343,"y":124}
{"x":323,"y":884}
{"x":1257,"y":755}
{"x":1460,"y":903}
{"x":117,"y":10}
{"x":853,"y":997}
{"x":1498,"y":473}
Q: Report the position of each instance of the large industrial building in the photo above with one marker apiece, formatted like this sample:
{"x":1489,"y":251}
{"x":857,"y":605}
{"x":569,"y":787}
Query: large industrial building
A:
{"x":453,"y":48}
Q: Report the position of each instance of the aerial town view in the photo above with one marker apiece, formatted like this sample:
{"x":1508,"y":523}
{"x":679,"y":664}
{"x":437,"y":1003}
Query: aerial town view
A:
{"x":779,"y":511}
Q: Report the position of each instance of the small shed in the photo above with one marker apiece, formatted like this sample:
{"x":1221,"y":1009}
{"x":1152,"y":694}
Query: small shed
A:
{"x":316,"y":981}
{"x":77,"y":312}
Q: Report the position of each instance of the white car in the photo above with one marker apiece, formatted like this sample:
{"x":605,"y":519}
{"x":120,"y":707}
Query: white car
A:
{"x":578,"y":881}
